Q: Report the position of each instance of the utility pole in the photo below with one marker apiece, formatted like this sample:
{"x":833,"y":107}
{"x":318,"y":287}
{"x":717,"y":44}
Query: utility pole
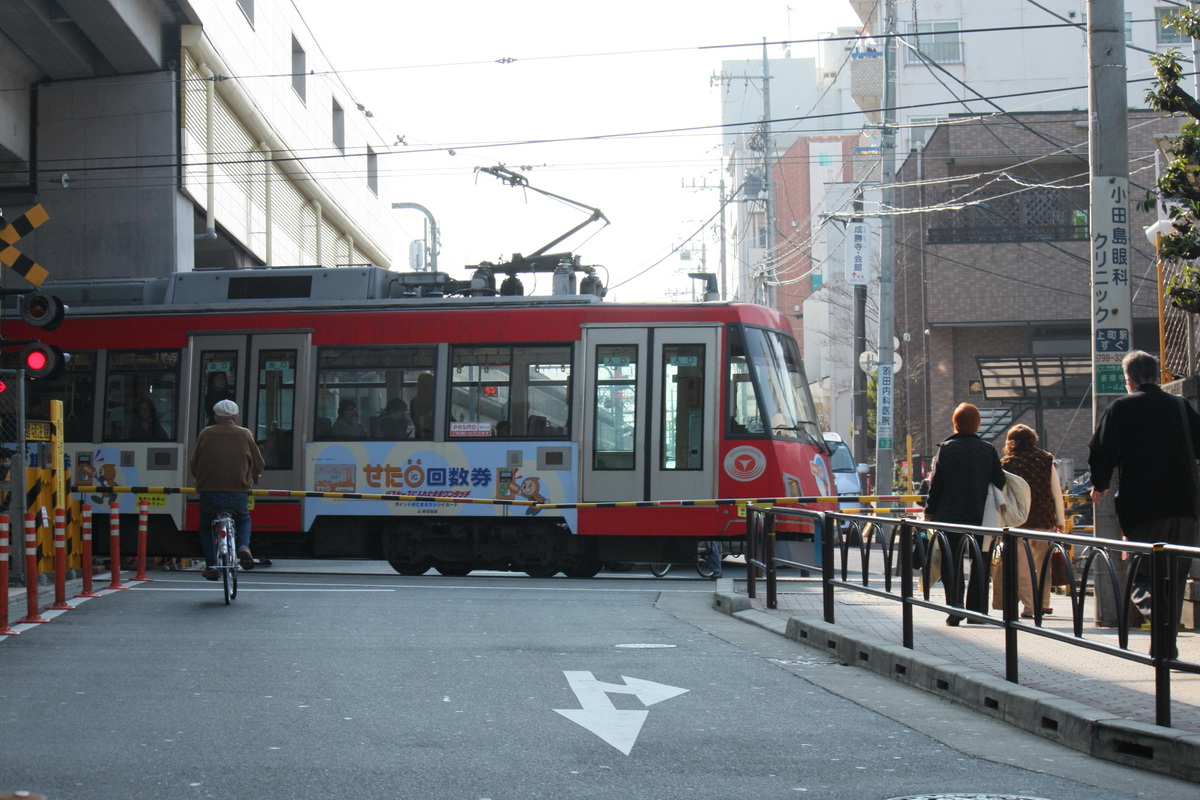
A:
{"x":724,"y":288}
{"x":859,"y":393}
{"x":767,"y":144}
{"x":721,"y":231}
{"x":769,"y":277}
{"x":887,"y":259}
{"x":1108,"y":135}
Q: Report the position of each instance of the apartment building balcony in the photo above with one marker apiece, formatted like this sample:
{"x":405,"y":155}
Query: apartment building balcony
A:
{"x":866,"y":83}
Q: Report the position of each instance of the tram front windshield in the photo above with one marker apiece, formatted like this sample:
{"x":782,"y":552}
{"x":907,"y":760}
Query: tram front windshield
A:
{"x":777,"y":379}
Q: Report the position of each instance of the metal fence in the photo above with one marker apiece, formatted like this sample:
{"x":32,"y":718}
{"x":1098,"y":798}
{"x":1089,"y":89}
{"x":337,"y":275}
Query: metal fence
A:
{"x":905,"y":548}
{"x":12,"y":459}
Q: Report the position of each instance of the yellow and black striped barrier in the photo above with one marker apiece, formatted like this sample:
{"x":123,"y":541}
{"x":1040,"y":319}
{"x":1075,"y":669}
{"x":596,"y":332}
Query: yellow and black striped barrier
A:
{"x":724,"y":501}
{"x":298,"y":494}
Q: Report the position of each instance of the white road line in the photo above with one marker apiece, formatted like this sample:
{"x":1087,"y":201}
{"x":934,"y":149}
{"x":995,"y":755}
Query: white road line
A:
{"x":260,"y":589}
{"x":250,"y":585}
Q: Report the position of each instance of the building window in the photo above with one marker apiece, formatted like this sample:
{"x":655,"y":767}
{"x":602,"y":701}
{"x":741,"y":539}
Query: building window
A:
{"x":1166,"y":32}
{"x":921,"y":128}
{"x":938,"y":40}
{"x":247,"y":7}
{"x":339,"y":127}
{"x":299,"y":69}
{"x":372,"y":171}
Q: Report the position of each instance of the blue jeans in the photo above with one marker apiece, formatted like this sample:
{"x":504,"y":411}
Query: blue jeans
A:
{"x":210,"y":503}
{"x":714,"y":557}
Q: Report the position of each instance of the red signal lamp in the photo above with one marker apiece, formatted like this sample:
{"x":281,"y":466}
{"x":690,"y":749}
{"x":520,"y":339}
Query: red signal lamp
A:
{"x":41,"y":310}
{"x":42,"y":361}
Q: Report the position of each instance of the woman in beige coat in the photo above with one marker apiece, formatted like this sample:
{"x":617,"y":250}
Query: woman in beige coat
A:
{"x":1023,"y":457}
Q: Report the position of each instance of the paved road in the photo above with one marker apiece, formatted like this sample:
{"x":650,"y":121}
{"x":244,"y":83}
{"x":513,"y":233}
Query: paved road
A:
{"x":360,"y":683}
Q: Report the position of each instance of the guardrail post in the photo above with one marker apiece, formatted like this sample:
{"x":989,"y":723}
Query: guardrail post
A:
{"x":143,"y":527}
{"x":4,"y":629}
{"x":769,"y":560}
{"x":1162,"y":631}
{"x":1012,"y":548}
{"x":60,"y":562}
{"x":753,"y":537}
{"x":86,"y":528}
{"x":31,"y":574}
{"x":114,"y":545}
{"x":827,"y":576}
{"x":906,"y":585}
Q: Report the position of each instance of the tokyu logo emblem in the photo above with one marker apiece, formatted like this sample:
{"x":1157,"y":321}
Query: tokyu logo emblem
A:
{"x":745,"y":463}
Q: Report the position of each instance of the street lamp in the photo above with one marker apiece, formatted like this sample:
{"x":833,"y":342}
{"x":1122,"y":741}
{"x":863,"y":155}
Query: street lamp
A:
{"x":433,"y":231}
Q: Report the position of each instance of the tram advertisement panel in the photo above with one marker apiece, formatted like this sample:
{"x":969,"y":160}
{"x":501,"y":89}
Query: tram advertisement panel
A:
{"x":476,"y":471}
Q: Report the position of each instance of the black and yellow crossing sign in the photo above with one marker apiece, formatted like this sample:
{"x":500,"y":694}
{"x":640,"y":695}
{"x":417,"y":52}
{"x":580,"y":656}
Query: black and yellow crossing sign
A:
{"x":10,"y":256}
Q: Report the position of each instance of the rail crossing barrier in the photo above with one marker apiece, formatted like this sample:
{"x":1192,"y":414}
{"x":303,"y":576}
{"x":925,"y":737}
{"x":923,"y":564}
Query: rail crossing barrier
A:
{"x":79,"y":528}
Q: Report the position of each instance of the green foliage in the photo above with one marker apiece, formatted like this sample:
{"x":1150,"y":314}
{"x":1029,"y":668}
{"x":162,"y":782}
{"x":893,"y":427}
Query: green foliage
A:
{"x":1179,"y":178}
{"x":872,"y":407}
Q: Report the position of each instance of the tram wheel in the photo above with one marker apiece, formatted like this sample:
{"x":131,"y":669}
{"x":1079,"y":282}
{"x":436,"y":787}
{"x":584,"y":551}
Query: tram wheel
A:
{"x":584,"y":569}
{"x":409,"y":568}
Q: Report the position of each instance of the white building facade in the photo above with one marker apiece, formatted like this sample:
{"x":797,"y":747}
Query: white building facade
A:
{"x":172,"y":135}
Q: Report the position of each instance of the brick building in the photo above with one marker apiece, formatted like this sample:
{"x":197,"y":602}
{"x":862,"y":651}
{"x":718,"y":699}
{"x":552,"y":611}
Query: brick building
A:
{"x":992,"y":260}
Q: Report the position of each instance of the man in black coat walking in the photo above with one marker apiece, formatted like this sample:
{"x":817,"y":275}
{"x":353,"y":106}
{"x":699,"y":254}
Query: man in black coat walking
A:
{"x":1149,"y":438}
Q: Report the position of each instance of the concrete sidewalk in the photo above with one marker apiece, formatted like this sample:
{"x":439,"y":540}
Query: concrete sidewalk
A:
{"x":1090,"y":701}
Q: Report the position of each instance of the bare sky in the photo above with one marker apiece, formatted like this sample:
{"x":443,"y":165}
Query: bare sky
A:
{"x":586,"y":75}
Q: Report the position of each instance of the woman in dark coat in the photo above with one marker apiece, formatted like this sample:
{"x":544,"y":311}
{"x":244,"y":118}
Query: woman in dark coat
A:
{"x":963,"y":468}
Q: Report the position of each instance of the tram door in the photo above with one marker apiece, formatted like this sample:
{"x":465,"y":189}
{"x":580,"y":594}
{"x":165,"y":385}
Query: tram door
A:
{"x":650,"y":413}
{"x":266,"y":375}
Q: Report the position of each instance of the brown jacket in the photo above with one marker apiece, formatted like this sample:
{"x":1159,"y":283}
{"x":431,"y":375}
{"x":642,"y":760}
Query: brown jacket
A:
{"x":226,"y":459}
{"x":1036,"y":466}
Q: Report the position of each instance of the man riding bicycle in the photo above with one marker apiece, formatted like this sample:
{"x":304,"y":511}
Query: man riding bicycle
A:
{"x":225,"y":465}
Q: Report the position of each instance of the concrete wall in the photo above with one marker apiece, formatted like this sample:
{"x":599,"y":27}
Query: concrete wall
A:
{"x":115,"y":137}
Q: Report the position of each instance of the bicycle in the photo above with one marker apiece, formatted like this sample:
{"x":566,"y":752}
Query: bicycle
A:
{"x":225,"y":550}
{"x":732,"y":547}
{"x":702,"y":553}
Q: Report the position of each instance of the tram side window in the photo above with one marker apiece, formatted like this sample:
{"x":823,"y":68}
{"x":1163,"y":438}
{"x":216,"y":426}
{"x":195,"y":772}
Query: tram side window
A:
{"x":374,"y":393}
{"x":276,"y":407}
{"x":76,"y":387}
{"x":774,"y":362}
{"x":519,"y":391}
{"x":744,"y":414}
{"x":219,"y":368}
{"x":614,"y":431}
{"x":683,"y":407}
{"x":141,"y":396}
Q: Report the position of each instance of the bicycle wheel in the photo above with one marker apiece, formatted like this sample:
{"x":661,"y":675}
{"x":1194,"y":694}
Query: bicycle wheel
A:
{"x":659,"y":570}
{"x":702,"y":562}
{"x":225,"y":560}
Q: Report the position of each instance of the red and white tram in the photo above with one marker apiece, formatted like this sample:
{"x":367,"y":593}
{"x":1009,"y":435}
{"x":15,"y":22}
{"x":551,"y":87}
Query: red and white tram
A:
{"x":485,"y":395}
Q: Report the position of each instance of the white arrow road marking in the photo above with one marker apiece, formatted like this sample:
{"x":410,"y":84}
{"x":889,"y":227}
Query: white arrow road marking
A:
{"x":618,"y":728}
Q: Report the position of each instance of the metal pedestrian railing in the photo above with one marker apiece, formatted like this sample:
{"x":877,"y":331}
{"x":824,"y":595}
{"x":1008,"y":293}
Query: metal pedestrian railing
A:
{"x":1101,"y":569}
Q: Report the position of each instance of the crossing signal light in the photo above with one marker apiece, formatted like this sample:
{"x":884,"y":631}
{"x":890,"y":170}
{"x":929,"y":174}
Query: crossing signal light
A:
{"x":42,"y":361}
{"x":41,"y":310}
